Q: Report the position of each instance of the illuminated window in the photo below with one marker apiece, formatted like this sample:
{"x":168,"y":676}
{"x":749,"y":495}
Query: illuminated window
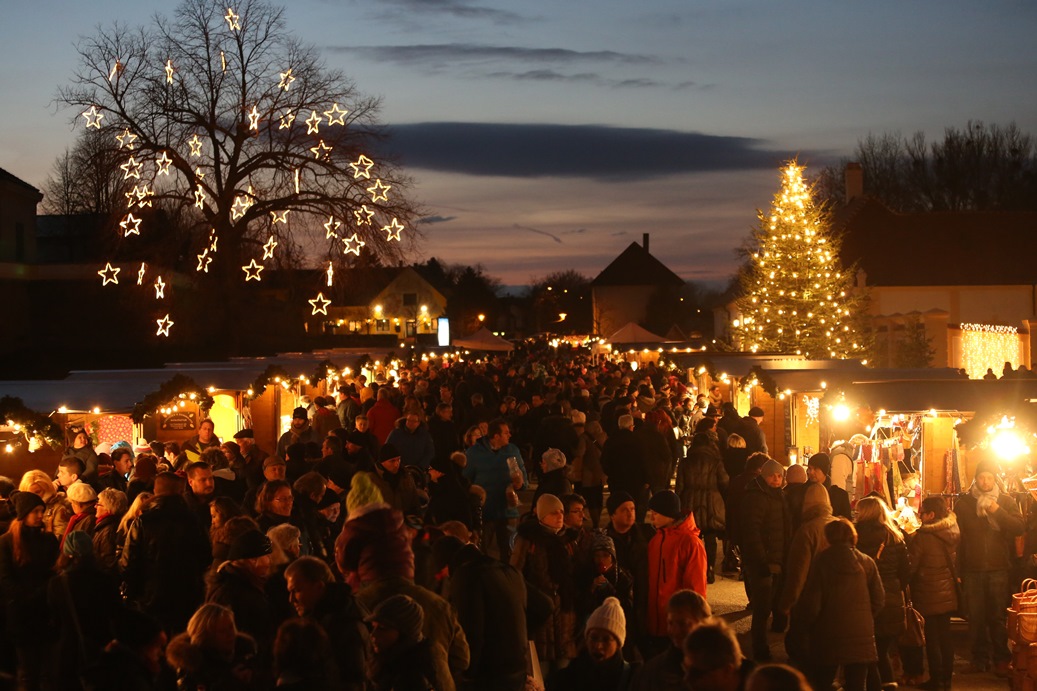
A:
{"x":382,"y":325}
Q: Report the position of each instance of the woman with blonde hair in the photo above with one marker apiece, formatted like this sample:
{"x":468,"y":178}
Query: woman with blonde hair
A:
{"x":880,"y":538}
{"x":58,"y":509}
{"x":136,"y":508}
{"x":212,"y":653}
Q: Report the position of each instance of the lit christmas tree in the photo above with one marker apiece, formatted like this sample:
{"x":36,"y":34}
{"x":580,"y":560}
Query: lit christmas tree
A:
{"x":796,"y":298}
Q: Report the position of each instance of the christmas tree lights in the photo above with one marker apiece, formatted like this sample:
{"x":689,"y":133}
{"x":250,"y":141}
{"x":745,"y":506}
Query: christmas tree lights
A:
{"x":796,"y":298}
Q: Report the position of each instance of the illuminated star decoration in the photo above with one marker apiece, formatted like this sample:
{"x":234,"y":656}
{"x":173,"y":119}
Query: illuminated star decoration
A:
{"x":282,"y":218}
{"x":379,"y":191}
{"x":321,"y":150}
{"x":313,"y":123}
{"x":196,"y":145}
{"x":116,"y":69}
{"x":336,"y":116}
{"x":353,"y":244}
{"x":240,"y":206}
{"x":126,"y":139}
{"x":160,"y":288}
{"x":131,"y":169}
{"x":286,"y":120}
{"x":232,"y":20}
{"x":130,"y":221}
{"x":93,"y":117}
{"x":163,"y":326}
{"x":330,"y":272}
{"x":143,"y":194}
{"x":253,"y":118}
{"x":286,"y":80}
{"x":363,"y":215}
{"x":393,"y":230}
{"x":252,"y":270}
{"x":169,"y":71}
{"x":362,"y":167}
{"x":320,"y":304}
{"x":140,"y":274}
{"x":213,"y":239}
{"x":268,"y":248}
{"x":163,"y":162}
{"x":110,"y":274}
{"x":199,"y":197}
{"x":297,"y":181}
{"x":331,"y":228}
{"x":204,"y":260}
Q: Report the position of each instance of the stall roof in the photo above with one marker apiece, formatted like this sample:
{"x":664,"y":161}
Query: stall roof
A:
{"x":112,"y":394}
{"x":964,"y":395}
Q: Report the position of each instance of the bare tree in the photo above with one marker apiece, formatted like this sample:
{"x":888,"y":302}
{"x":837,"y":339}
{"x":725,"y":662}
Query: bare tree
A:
{"x":225,"y":113}
{"x":86,"y":179}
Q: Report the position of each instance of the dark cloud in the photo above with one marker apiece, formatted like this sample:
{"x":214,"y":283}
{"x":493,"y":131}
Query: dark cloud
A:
{"x":436,"y":219}
{"x":539,"y":232}
{"x":454,"y":8}
{"x":442,"y":54}
{"x":581,"y":77}
{"x":580,"y":151}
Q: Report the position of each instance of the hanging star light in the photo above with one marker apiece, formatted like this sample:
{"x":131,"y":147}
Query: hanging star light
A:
{"x":196,"y":145}
{"x":199,"y":197}
{"x":163,"y":326}
{"x":393,"y":230}
{"x":213,"y":239}
{"x":140,"y":273}
{"x":252,"y":271}
{"x":143,"y":194}
{"x":379,"y":191}
{"x":160,"y":288}
{"x":131,"y":169}
{"x":297,"y":181}
{"x":363,"y":215}
{"x":116,"y":69}
{"x":286,"y":79}
{"x":362,"y":167}
{"x":130,"y":221}
{"x":336,"y":116}
{"x":126,"y":139}
{"x":223,"y":61}
{"x":353,"y":244}
{"x":169,"y":71}
{"x":282,"y":218}
{"x":320,"y":304}
{"x":313,"y":123}
{"x":233,"y":20}
{"x":253,"y":118}
{"x":287,"y":118}
{"x":240,"y":206}
{"x":330,"y":272}
{"x":110,"y":274}
{"x":331,"y":228}
{"x":268,"y":248}
{"x":93,"y":117}
{"x":204,"y":260}
{"x":321,"y":150}
{"x":163,"y":162}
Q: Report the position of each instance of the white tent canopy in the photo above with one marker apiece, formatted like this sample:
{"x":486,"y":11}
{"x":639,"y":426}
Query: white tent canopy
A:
{"x":483,"y":340}
{"x":634,"y":333}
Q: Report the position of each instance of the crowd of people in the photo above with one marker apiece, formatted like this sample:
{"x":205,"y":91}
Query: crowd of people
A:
{"x":483,"y":526}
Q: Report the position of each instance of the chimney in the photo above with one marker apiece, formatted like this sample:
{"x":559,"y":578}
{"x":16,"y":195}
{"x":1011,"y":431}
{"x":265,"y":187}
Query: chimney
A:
{"x":644,"y":243}
{"x":854,"y":181}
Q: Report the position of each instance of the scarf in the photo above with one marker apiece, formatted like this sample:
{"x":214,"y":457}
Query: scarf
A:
{"x":984,"y":500}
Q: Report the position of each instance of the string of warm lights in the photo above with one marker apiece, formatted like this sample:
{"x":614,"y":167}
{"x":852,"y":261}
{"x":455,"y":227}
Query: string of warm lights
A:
{"x":989,"y":346}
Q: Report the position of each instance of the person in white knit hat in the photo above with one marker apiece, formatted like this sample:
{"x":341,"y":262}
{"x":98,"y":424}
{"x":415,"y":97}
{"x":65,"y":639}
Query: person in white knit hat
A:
{"x":600,"y":665}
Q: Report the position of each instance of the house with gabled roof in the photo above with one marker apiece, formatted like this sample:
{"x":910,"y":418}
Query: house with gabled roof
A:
{"x":18,"y":200}
{"x":966,"y":281}
{"x":622,"y":291}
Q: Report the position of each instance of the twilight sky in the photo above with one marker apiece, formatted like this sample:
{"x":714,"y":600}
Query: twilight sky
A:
{"x":549,"y":135}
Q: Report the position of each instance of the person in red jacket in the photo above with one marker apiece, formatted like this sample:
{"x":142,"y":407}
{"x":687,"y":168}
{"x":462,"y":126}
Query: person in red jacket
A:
{"x":383,"y":415}
{"x":676,"y":559}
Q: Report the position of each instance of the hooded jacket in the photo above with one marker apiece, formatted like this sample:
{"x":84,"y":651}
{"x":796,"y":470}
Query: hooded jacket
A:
{"x":374,"y":545}
{"x":676,"y":560}
{"x":701,"y":480}
{"x":934,"y":553}
{"x":488,"y":468}
{"x":891,"y":558}
{"x":807,"y":543}
{"x":764,"y":526}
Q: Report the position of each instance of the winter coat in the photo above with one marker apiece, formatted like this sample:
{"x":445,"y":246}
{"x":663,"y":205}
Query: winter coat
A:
{"x":450,"y":655}
{"x":934,"y":551}
{"x":982,"y":548}
{"x":95,"y":596}
{"x":734,"y":460}
{"x":445,"y":437}
{"x":449,"y":499}
{"x":56,"y":514}
{"x":736,"y":490}
{"x":381,"y":419}
{"x":200,"y":669}
{"x":891,"y":558}
{"x":764,"y":526}
{"x":242,"y":593}
{"x":542,"y":558}
{"x":404,"y":667}
{"x":164,"y":561}
{"x":400,"y":491}
{"x":664,"y":672}
{"x":657,"y":455}
{"x":554,"y":482}
{"x":840,"y":600}
{"x":755,"y":440}
{"x":588,"y":451}
{"x":701,"y":481}
{"x":807,"y":543}
{"x":676,"y":560}
{"x":416,"y":448}
{"x":837,"y":497}
{"x":303,"y":436}
{"x":340,"y":616}
{"x":108,"y":541}
{"x":632,"y":555}
{"x":488,"y":468}
{"x":489,"y":597}
{"x":372,"y":545}
{"x":23,"y":587}
{"x":584,"y":674}
{"x":624,"y":461}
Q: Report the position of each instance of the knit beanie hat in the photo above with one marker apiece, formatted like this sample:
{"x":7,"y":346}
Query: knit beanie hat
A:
{"x":249,"y":545}
{"x":553,"y":460}
{"x":400,"y":613}
{"x":822,"y":462}
{"x":665,"y":503}
{"x":81,"y":493}
{"x":795,"y":474}
{"x":387,"y":453}
{"x":25,"y":502}
{"x":546,"y":504}
{"x":617,"y":499}
{"x":363,"y":492}
{"x":300,"y":413}
{"x":771,"y":467}
{"x":78,"y":544}
{"x":986,"y":466}
{"x":816,"y":495}
{"x":601,"y":542}
{"x":609,"y":617}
